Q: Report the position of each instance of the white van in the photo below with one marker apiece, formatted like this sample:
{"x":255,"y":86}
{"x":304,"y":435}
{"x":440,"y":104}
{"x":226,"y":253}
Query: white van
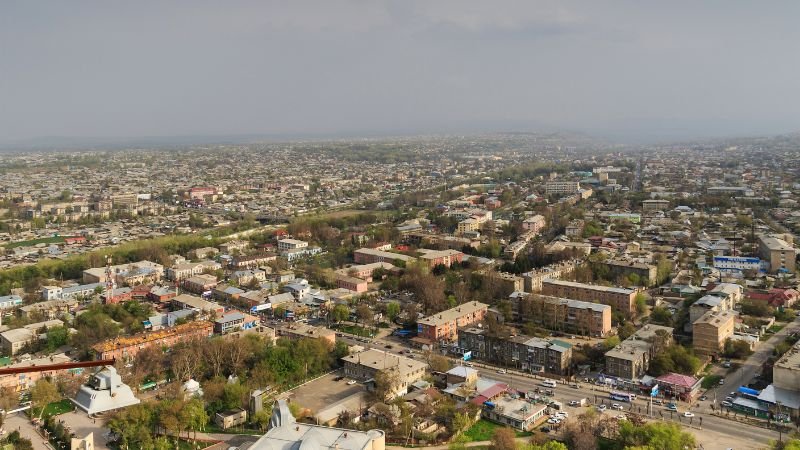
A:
{"x":549,"y":383}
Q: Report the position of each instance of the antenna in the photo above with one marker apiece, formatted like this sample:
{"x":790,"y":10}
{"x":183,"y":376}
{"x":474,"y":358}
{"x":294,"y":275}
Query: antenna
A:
{"x":109,"y":280}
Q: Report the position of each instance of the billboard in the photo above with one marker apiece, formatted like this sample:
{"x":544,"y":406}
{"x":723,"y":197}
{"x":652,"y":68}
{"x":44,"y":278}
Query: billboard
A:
{"x":260,"y":307}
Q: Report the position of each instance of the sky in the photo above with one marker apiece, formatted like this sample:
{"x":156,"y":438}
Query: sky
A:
{"x":625,"y":69}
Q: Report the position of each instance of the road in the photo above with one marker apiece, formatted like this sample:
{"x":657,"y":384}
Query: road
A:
{"x":755,"y":436}
{"x":752,"y":365}
{"x":21,"y":423}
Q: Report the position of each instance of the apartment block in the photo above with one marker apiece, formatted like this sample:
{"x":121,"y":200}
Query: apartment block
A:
{"x":443,"y":326}
{"x":619,"y":299}
{"x":561,"y":187}
{"x":561,"y":314}
{"x":631,"y":358}
{"x":526,"y":353}
{"x":779,"y":252}
{"x":647,"y":273}
{"x":366,"y":365}
{"x":433,"y":258}
{"x":534,"y":223}
{"x":368,"y":256}
{"x":712,"y":330}
{"x":127,"y":347}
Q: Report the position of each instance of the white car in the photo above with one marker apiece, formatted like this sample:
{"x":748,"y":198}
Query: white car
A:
{"x":563,"y":413}
{"x":622,"y":417}
{"x":351,"y":382}
{"x":688,"y":414}
{"x":601,"y":408}
{"x":501,"y":370}
{"x":617,"y":406}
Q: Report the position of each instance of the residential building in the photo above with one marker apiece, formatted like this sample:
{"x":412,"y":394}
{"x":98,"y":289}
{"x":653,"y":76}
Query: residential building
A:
{"x":621,"y":300}
{"x":14,"y":340}
{"x":126,"y":274}
{"x":294,"y":254}
{"x":647,"y":273}
{"x":631,"y":358}
{"x":351,"y":283}
{"x":127,"y":347}
{"x":526,"y":353}
{"x":234,"y":321}
{"x":507,"y":282}
{"x":710,"y":331}
{"x":655,"y":205}
{"x":10,"y":302}
{"x":252,"y":261}
{"x":786,"y":371}
{"x":443,"y":326}
{"x":534,"y":223}
{"x":235,"y":246}
{"x":230,"y":418}
{"x":200,"y":283}
{"x":561,"y":187}
{"x":298,"y":330}
{"x":574,"y":228}
{"x":561,"y":314}
{"x":291,"y":244}
{"x":513,"y":249}
{"x":779,"y":252}
{"x":71,"y":292}
{"x":24,"y":381}
{"x":533,"y":280}
{"x":364,"y":271}
{"x":366,"y":365}
{"x":368,"y":256}
{"x":185,"y":270}
{"x":49,"y":310}
{"x":734,"y":293}
{"x":186,"y":301}
{"x":433,"y":258}
{"x":287,"y":434}
{"x":519,"y":414}
{"x":706,"y":304}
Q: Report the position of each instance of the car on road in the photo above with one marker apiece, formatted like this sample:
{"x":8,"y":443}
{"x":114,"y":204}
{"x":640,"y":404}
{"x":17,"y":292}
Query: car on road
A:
{"x":575,"y":386}
{"x":617,"y":406}
{"x":672,"y":406}
{"x":553,"y":421}
{"x":339,"y":378}
{"x":387,"y":346}
{"x":688,"y":414}
{"x":729,"y":399}
{"x":501,"y":370}
{"x":721,"y":381}
{"x":545,"y":429}
{"x":574,"y":403}
{"x":703,"y":398}
{"x":726,"y":364}
{"x":601,"y":408}
{"x":351,"y":382}
{"x":726,"y":404}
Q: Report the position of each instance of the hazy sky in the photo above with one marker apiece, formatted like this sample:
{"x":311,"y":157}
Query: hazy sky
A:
{"x":166,"y":68}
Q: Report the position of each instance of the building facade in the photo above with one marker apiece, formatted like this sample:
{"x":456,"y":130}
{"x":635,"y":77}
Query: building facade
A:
{"x":619,"y":299}
{"x":443,"y":326}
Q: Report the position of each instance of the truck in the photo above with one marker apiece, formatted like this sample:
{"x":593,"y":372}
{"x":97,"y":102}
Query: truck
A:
{"x":578,"y":403}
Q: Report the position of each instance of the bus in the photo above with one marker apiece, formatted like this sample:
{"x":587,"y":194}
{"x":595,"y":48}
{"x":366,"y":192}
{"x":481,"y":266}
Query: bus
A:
{"x":622,"y":396}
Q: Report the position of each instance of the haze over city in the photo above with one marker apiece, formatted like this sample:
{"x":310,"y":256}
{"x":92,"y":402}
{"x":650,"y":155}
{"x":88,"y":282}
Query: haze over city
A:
{"x":626,"y":70}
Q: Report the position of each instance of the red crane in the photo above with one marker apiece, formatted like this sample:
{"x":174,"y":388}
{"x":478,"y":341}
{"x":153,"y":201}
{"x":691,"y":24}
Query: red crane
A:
{"x":57,"y":366}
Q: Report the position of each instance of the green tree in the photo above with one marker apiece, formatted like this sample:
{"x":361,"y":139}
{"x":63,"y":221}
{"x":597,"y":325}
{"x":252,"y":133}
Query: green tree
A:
{"x":393,"y":310}
{"x":626,"y":330}
{"x":56,"y":337}
{"x":340,"y":313}
{"x":655,"y":436}
{"x":641,"y":303}
{"x":611,"y":342}
{"x":43,"y":393}
{"x":661,"y":315}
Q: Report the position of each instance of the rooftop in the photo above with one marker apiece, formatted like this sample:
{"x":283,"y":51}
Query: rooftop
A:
{"x":144,"y":338}
{"x":381,"y":360}
{"x":595,"y":287}
{"x":453,"y":313}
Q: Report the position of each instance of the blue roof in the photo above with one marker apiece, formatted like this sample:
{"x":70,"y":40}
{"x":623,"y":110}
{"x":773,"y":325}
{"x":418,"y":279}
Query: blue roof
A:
{"x":748,"y":391}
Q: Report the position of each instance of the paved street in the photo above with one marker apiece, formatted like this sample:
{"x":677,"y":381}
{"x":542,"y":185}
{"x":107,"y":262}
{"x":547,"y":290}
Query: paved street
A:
{"x":23,"y":425}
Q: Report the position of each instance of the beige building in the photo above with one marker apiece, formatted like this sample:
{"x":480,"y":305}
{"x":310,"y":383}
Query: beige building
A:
{"x":443,"y":326}
{"x":561,"y":187}
{"x":779,"y":251}
{"x":631,"y":358}
{"x":786,"y":371}
{"x":712,"y":330}
{"x":297,"y":330}
{"x":619,"y":299}
{"x":561,"y":314}
{"x":366,"y":365}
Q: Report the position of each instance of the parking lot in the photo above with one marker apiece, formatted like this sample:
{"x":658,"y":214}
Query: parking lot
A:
{"x":323,"y":392}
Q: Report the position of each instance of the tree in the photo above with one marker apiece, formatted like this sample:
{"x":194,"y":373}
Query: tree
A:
{"x":655,"y":435}
{"x":611,"y":342}
{"x":626,"y":330}
{"x":43,"y":393}
{"x":56,"y":337}
{"x":641,"y":303}
{"x":661,"y":316}
{"x":392,"y":310}
{"x":340,"y":313}
{"x":504,"y":439}
{"x":737,"y":349}
{"x":364,"y":314}
{"x":439,"y":363}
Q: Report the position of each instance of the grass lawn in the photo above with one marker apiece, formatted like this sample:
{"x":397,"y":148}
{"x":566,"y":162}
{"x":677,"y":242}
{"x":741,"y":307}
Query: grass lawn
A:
{"x":356,"y":330}
{"x":483,"y":430}
{"x":776,"y":328}
{"x":47,"y":240}
{"x":711,"y":381}
{"x":55,"y":408}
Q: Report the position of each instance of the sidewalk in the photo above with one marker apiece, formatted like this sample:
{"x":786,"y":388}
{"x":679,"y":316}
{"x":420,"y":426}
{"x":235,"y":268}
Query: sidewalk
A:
{"x":26,"y":429}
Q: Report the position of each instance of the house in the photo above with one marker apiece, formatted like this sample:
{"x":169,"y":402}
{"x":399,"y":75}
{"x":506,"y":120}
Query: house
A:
{"x":683,"y":387}
{"x":234,"y":321}
{"x":516,"y":413}
{"x":351,"y":283}
{"x":14,"y":340}
{"x":230,"y":418}
{"x":191,"y":302}
{"x":629,"y":360}
{"x":366,"y":365}
{"x":51,"y":309}
{"x":10,"y":302}
{"x":200,"y":283}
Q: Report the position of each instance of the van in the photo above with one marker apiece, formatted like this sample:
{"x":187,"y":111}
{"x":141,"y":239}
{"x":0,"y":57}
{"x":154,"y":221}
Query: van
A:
{"x":549,"y":383}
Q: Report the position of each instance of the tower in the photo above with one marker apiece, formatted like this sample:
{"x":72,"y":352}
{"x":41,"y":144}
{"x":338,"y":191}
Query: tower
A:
{"x":109,"y":281}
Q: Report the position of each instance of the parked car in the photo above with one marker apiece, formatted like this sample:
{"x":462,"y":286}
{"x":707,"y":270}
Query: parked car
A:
{"x":672,"y":407}
{"x":726,"y":404}
{"x":703,"y":398}
{"x":721,"y":381}
{"x":617,"y":406}
{"x":501,"y":370}
{"x":601,"y":408}
{"x":351,"y":382}
{"x":339,"y":378}
{"x":545,"y":429}
{"x":688,"y":414}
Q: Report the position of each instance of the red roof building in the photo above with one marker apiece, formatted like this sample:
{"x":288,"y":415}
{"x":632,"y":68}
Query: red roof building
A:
{"x":675,"y":385}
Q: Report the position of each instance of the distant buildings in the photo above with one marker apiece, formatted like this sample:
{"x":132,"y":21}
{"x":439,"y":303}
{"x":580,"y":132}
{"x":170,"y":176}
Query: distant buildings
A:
{"x":14,"y":340}
{"x":126,"y":274}
{"x":655,"y":205}
{"x":298,"y":330}
{"x":561,"y":187}
{"x":369,"y":256}
{"x":647,"y":273}
{"x":443,"y":326}
{"x":534,"y":223}
{"x":433,"y":258}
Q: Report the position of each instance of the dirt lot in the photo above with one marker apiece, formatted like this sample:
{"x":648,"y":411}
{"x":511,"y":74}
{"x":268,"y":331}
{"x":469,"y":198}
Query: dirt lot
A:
{"x":321,"y":393}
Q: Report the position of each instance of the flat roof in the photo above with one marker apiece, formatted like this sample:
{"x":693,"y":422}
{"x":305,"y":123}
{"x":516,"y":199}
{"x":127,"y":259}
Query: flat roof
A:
{"x":594,"y":287}
{"x":381,"y":360}
{"x":453,"y":313}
